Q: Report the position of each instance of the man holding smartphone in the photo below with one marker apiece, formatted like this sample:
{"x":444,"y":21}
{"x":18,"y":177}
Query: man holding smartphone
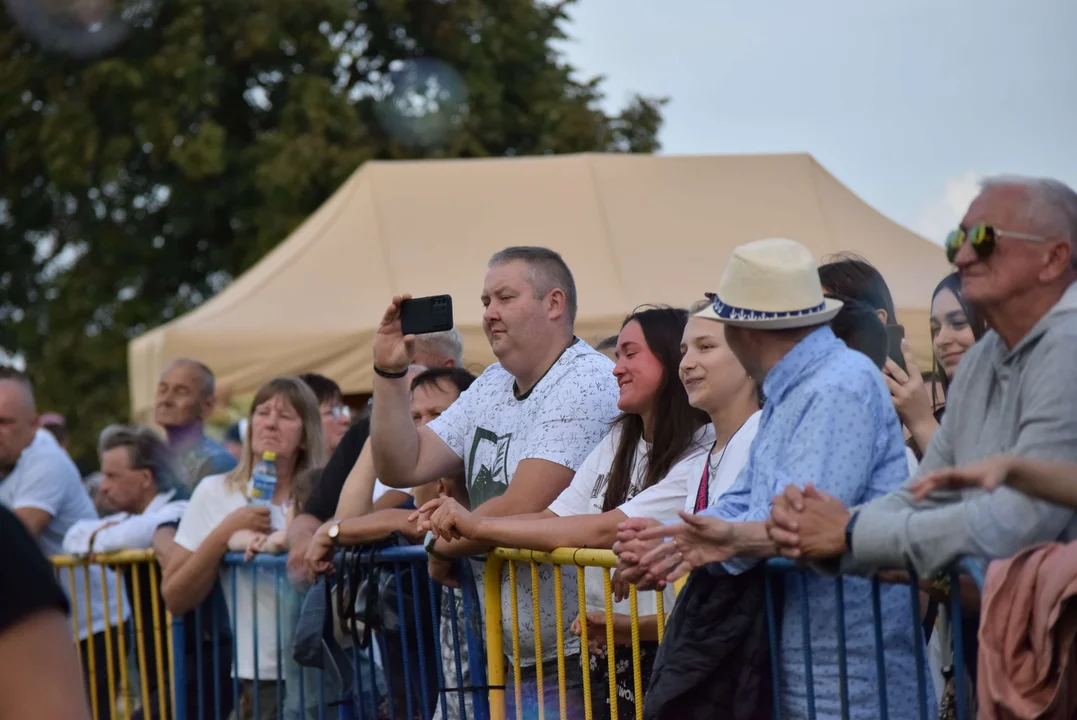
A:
{"x":510,"y":432}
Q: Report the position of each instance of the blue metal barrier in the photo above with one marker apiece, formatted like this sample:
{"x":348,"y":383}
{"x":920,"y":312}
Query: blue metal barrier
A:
{"x":778,"y":569}
{"x":398,"y":674}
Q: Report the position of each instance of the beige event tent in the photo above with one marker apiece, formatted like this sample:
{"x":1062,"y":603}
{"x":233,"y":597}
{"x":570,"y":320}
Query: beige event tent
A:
{"x":634,"y":229}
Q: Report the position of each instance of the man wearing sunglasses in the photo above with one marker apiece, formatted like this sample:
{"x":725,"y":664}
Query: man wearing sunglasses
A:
{"x":1014,"y":392}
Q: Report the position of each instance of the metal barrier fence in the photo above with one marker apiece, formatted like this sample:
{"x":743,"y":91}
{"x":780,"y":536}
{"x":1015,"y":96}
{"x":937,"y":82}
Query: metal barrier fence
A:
{"x":581,"y":559}
{"x":137,"y":577}
{"x":606,"y":560}
{"x":182,"y":668}
{"x":968,"y":567}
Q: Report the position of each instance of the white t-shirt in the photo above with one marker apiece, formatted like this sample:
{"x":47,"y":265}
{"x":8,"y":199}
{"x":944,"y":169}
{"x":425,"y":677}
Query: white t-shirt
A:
{"x":211,"y":503}
{"x":662,"y":501}
{"x":727,"y":462}
{"x":381,"y":488}
{"x":561,"y":420}
{"x":46,"y":479}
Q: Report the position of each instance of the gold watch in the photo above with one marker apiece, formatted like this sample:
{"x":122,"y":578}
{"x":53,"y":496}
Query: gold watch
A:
{"x":334,"y":531}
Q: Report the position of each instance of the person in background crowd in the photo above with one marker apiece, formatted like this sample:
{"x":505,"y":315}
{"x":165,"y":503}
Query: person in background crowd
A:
{"x":955,"y":327}
{"x":233,"y":438}
{"x":283,"y":419}
{"x":658,"y":447}
{"x":139,"y":482}
{"x":41,"y":485}
{"x":509,"y":432}
{"x":336,"y":416}
{"x":185,"y":398}
{"x":432,"y":392}
{"x":849,"y":275}
{"x":829,"y":421}
{"x":860,"y":286}
{"x":358,"y":522}
{"x":1015,"y":394}
{"x":54,"y":422}
{"x":608,"y":347}
{"x":444,"y":349}
{"x":38,"y":664}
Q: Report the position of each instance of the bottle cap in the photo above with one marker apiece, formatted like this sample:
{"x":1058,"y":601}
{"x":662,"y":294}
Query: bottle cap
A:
{"x":269,"y":456}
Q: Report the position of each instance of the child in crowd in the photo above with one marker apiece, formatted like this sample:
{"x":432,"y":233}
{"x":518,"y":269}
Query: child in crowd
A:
{"x":250,"y":543}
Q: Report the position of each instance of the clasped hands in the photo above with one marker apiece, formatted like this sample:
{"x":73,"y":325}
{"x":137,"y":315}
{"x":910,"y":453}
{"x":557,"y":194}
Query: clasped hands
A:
{"x":807,"y":524}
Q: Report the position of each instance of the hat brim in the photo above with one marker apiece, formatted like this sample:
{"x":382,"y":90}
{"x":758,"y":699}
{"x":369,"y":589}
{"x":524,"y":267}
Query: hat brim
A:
{"x":831,"y":308}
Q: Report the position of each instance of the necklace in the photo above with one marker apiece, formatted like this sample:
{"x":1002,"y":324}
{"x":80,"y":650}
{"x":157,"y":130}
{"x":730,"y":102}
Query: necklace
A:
{"x":711,"y":470}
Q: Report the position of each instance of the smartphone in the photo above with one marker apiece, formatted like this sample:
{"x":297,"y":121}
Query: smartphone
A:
{"x":895,"y":334}
{"x":420,"y":316}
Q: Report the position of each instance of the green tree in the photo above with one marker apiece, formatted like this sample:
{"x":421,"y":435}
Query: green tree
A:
{"x":135,"y":186}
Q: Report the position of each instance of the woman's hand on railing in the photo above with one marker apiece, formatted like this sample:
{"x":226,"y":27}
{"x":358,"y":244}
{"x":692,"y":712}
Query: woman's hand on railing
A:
{"x":446,"y":518}
{"x":255,"y":545}
{"x":630,"y":550}
{"x":699,"y":540}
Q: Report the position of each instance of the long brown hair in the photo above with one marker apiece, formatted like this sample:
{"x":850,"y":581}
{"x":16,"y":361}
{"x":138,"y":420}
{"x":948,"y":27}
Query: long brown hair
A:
{"x":676,"y":422}
{"x":952,"y":282}
{"x":311,"y":443}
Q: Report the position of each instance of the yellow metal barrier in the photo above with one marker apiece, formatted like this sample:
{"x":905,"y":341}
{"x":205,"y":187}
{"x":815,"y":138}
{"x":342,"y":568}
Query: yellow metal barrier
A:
{"x":131,"y":565}
{"x":580,"y":558}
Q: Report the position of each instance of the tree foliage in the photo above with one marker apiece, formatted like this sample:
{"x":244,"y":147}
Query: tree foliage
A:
{"x":135,"y":186}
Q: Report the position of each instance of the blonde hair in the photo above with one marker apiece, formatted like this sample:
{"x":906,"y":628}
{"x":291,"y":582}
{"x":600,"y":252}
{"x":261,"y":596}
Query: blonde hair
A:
{"x":312,"y":452}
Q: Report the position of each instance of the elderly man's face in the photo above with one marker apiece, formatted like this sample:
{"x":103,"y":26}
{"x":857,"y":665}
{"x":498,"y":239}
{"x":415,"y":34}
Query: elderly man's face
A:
{"x":18,"y":421}
{"x":1016,"y":265}
{"x":179,"y":400}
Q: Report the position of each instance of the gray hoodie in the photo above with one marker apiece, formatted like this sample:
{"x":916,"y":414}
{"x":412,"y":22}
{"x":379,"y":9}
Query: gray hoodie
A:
{"x":1022,"y":402}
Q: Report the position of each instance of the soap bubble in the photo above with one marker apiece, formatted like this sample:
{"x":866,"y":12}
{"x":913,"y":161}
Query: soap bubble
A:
{"x":422,"y":103}
{"x":80,"y":29}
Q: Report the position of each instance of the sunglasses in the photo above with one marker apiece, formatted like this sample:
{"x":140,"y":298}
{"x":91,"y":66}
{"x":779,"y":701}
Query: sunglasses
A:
{"x":983,"y":239}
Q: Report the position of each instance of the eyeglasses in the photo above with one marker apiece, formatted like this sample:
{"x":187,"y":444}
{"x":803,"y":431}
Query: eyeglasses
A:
{"x":983,"y":239}
{"x":340,"y":412}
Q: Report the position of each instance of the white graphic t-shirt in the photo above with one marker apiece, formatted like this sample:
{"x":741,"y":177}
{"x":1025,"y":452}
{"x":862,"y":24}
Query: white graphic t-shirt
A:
{"x":661,"y":501}
{"x":561,"y":420}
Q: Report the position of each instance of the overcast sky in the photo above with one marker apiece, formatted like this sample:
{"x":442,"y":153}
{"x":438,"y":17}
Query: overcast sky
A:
{"x":907,"y":102}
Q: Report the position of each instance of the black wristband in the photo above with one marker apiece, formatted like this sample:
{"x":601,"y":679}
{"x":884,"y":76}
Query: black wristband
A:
{"x":390,"y":375}
{"x":849,"y":532}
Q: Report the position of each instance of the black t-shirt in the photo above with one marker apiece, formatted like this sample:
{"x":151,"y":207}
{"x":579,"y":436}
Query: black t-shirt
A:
{"x":25,"y":569}
{"x":324,"y":496}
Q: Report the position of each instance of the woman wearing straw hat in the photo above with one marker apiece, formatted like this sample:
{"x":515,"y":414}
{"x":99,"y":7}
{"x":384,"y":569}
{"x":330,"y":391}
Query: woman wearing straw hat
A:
{"x":828,"y":422}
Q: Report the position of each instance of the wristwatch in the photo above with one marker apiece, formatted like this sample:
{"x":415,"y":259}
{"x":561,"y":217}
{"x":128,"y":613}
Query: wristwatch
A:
{"x":334,"y":531}
{"x":849,"y":532}
{"x":428,"y":544}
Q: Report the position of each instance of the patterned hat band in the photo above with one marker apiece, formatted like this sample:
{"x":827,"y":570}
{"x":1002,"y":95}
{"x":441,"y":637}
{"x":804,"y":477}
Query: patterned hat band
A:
{"x":732,"y":312}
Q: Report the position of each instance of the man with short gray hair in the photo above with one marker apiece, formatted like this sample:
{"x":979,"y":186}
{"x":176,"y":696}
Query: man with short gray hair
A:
{"x":441,"y":349}
{"x":184,"y":399}
{"x":1014,"y":392}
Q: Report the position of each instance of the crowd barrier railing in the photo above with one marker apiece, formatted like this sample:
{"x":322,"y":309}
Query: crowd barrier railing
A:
{"x":159,"y":666}
{"x":972,"y":569}
{"x":497,"y":561}
{"x":137,"y":650}
{"x":528,"y":561}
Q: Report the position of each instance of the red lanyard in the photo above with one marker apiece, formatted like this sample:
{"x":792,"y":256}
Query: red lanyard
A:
{"x":705,"y":481}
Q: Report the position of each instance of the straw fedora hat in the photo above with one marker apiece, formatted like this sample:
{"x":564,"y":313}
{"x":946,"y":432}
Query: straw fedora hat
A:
{"x":771,"y":285}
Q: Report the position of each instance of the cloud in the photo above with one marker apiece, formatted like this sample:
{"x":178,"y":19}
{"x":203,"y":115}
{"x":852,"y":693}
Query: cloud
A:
{"x":943,"y":214}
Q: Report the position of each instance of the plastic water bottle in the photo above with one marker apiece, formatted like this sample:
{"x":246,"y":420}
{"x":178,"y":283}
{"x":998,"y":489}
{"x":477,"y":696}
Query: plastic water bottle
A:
{"x":264,"y":480}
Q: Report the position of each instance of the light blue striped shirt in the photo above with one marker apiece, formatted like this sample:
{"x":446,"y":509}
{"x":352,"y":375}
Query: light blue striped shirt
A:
{"x":829,"y":420}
